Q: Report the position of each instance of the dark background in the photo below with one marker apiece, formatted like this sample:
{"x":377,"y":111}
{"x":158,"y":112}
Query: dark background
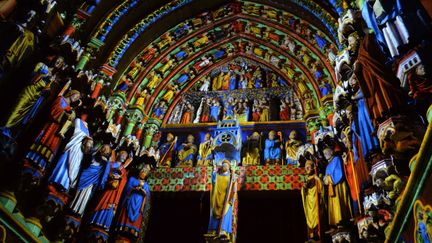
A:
{"x":264,"y":216}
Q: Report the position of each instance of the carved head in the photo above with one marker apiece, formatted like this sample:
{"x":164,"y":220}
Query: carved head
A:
{"x":310,"y":167}
{"x":122,"y":156}
{"x":293,"y":134}
{"x":87,"y":145}
{"x":144,"y":171}
{"x":105,"y":151}
{"x":207,"y":137}
{"x":328,"y":153}
{"x":272,"y":135}
{"x":226,"y":166}
{"x":170,"y":137}
{"x":190,"y":138}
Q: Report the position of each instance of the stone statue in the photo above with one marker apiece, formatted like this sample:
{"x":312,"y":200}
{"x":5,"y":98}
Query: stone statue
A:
{"x":166,"y":151}
{"x":205,"y":155}
{"x":339,"y":203}
{"x":91,"y":179}
{"x":222,"y":198}
{"x":102,"y":216}
{"x":291,"y":147}
{"x":313,"y":200}
{"x":187,"y":152}
{"x":188,"y":114}
{"x":65,"y":174}
{"x":273,"y":149}
{"x":133,"y":207}
{"x":46,"y":145}
{"x":252,"y":150}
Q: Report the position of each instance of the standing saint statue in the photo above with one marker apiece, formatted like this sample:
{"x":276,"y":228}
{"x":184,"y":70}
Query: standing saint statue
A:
{"x":47,"y":143}
{"x":339,"y":203}
{"x":91,"y":179}
{"x":65,"y":174}
{"x":166,"y":151}
{"x":222,"y":197}
{"x":134,"y":205}
{"x":205,"y":152}
{"x":313,"y":200}
{"x":103,"y":214}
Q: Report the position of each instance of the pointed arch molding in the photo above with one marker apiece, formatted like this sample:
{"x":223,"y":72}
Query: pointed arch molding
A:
{"x":115,"y":16}
{"x":197,"y":55}
{"x":227,"y":20}
{"x":217,"y":65}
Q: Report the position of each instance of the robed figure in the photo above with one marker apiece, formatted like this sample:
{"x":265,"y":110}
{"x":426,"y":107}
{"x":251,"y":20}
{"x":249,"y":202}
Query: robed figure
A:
{"x":166,"y":151}
{"x":47,"y":143}
{"x":134,"y":206}
{"x":313,"y":200}
{"x":252,"y":150}
{"x":91,"y":179}
{"x":65,"y":174}
{"x":272,"y":149}
{"x":339,"y":204}
{"x":187,"y":152}
{"x":205,"y":152}
{"x":380,"y":86}
{"x":222,"y":197}
{"x":102,"y":215}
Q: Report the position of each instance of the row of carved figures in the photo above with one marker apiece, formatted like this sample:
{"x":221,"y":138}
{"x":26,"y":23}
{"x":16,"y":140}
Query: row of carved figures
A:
{"x":275,"y":149}
{"x":357,"y":170}
{"x":211,"y":110}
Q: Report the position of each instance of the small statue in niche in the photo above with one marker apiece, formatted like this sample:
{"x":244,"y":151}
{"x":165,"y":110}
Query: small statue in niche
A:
{"x":153,"y":80}
{"x":256,"y":111}
{"x":215,"y":110}
{"x":265,"y":109}
{"x":136,"y":68}
{"x":242,"y":111}
{"x":149,"y":53}
{"x":229,"y":108}
{"x":187,"y":152}
{"x":205,"y":85}
{"x":389,"y":182}
{"x":291,"y":147}
{"x":171,"y":90}
{"x":188,"y":113}
{"x":273,"y":149}
{"x":166,"y":151}
{"x":166,"y":66}
{"x":143,"y":98}
{"x":205,"y":113}
{"x":420,"y":83}
{"x":325,"y":88}
{"x":159,"y":110}
{"x":205,"y":155}
{"x":309,"y":102}
{"x":252,"y":150}
{"x":285,"y":109}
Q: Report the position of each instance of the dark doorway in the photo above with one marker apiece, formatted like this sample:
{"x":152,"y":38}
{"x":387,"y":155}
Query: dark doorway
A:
{"x":271,"y":216}
{"x":275,"y":216}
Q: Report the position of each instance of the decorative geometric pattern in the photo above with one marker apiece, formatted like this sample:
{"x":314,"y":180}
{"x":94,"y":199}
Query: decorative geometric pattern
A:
{"x":251,"y":178}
